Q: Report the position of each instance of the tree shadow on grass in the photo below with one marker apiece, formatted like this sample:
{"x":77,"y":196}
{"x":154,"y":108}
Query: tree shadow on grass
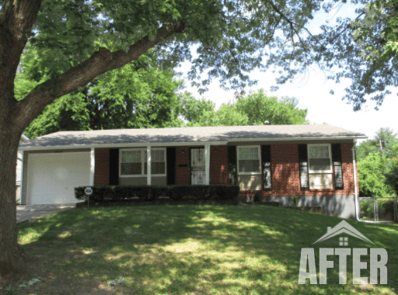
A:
{"x":190,"y":249}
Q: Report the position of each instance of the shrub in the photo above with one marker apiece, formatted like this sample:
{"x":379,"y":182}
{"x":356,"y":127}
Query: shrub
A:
{"x":367,"y":208}
{"x":257,"y":197}
{"x":151,"y":193}
{"x":295,"y":200}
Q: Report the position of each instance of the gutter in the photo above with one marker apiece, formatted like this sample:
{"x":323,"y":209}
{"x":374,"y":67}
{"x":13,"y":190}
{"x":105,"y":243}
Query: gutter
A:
{"x":24,"y":137}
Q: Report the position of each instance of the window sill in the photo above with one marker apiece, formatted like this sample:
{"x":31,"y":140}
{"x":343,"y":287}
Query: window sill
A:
{"x":145,"y":175}
{"x":320,"y":189}
{"x":245,"y":174}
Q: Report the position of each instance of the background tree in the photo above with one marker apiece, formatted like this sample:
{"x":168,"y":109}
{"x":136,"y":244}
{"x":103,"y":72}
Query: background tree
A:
{"x":135,"y":96}
{"x":388,"y":141}
{"x":378,"y":168}
{"x":372,"y":176}
{"x":258,"y":107}
{"x":252,"y":109}
{"x":196,"y":112}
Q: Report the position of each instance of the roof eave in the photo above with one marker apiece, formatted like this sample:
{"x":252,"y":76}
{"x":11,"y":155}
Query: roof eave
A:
{"x":182,"y":143}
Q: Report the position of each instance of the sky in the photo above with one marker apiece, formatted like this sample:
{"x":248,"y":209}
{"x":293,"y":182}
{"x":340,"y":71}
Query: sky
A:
{"x":313,"y":93}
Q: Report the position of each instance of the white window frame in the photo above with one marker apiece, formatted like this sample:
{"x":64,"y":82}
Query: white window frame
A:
{"x":259,"y":158}
{"x":143,"y":161}
{"x":330,"y":158}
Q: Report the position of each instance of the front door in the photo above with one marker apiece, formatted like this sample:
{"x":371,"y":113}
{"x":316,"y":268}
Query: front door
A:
{"x":198,"y":174}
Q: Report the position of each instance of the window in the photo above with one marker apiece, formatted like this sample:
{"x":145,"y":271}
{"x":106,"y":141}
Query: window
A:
{"x":158,"y":162}
{"x":320,"y":166}
{"x":249,"y":160}
{"x":133,"y":162}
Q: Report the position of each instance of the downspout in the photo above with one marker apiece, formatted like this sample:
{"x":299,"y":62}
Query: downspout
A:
{"x":355,"y":183}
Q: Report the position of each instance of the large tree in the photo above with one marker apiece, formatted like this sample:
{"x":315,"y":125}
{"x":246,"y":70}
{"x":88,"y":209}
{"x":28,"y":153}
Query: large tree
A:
{"x":136,"y":96}
{"x":79,"y":40}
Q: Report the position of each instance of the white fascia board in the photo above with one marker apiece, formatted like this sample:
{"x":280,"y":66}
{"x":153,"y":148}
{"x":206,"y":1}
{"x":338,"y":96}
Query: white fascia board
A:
{"x":298,"y":138}
{"x":122,"y":145}
{"x":192,"y":143}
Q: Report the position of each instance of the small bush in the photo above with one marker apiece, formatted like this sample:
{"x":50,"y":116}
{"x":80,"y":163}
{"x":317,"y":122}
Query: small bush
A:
{"x":150,"y":193}
{"x":295,"y":200}
{"x":257,"y":197}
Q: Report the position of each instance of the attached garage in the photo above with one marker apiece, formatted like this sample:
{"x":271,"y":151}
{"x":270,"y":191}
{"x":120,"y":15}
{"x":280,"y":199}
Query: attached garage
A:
{"x":52,"y":177}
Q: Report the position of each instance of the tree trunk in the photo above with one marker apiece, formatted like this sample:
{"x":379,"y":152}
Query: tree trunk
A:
{"x":11,"y":257}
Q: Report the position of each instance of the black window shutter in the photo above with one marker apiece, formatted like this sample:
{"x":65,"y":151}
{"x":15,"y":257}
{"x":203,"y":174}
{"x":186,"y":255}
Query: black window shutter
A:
{"x":266,"y":166}
{"x":337,"y":163}
{"x":113,"y":166}
{"x":171,"y":165}
{"x":303,"y":160}
{"x":232,"y":166}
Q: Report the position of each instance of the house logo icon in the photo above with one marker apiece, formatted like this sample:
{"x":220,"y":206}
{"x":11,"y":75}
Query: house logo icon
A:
{"x":378,"y":258}
{"x":342,"y":228}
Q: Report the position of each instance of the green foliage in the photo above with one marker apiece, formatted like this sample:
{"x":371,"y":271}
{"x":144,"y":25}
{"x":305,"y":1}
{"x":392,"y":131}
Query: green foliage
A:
{"x":367,"y":209}
{"x":230,"y":37}
{"x":371,"y":175}
{"x":295,"y":200}
{"x":392,"y":174}
{"x":385,"y":207}
{"x":389,"y":141}
{"x":378,"y":13}
{"x":253,"y":109}
{"x":378,"y":165}
{"x":258,"y":107}
{"x":197,"y":112}
{"x":150,"y":193}
{"x":136,"y":96}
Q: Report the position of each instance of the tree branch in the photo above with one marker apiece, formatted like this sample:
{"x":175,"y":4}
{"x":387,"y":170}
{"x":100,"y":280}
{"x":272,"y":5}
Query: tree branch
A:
{"x":16,"y":19}
{"x":288,"y":20}
{"x":100,"y":62}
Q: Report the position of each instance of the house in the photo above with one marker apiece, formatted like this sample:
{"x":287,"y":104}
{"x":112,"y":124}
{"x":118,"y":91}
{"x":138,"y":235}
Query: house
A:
{"x":314,"y":162}
{"x":19,"y":167}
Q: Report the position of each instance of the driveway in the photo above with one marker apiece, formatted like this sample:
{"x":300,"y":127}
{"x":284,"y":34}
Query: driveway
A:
{"x":26,"y":213}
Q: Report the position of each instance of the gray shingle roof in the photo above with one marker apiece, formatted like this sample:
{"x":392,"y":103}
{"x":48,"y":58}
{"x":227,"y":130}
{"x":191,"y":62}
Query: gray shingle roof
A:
{"x":187,"y":134}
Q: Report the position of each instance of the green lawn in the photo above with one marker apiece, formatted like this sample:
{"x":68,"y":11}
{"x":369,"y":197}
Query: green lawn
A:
{"x":190,"y":250}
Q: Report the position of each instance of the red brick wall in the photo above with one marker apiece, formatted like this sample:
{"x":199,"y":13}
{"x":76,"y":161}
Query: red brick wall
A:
{"x":285,"y":170}
{"x":286,"y":174}
{"x":101,"y":175}
{"x":218,"y":164}
{"x":346,"y":155}
{"x":182,"y":173}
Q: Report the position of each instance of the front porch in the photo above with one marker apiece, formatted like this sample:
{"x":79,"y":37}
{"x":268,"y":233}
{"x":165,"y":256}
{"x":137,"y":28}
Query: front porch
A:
{"x":160,"y":165}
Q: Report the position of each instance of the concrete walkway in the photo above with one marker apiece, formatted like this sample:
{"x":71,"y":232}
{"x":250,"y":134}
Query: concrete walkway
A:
{"x":25,"y":213}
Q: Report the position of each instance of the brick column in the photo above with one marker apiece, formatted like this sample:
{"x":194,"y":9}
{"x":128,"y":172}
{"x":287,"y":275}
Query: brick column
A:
{"x":101,"y":176}
{"x":285,"y":170}
{"x":218,"y":164}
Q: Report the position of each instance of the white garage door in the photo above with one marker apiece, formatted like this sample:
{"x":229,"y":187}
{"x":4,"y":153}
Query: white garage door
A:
{"x":52,"y":177}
